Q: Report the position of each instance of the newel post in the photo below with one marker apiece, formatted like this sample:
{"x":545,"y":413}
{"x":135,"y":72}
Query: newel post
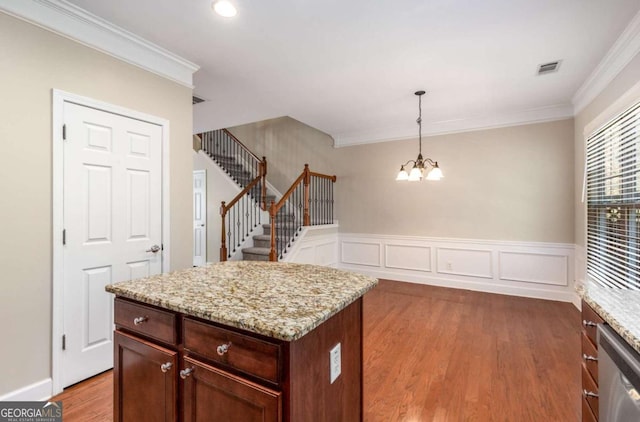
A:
{"x":223,"y":240}
{"x":307,"y":182}
{"x":272,"y":223}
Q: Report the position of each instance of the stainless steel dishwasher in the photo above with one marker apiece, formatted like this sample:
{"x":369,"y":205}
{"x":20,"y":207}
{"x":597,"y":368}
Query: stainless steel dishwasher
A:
{"x":619,"y":378}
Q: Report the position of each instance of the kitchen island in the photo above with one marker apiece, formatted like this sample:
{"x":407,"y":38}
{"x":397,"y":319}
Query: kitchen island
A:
{"x":240,"y":341}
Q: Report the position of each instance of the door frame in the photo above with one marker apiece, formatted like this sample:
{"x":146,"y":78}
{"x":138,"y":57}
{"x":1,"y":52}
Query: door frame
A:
{"x":59,"y":97}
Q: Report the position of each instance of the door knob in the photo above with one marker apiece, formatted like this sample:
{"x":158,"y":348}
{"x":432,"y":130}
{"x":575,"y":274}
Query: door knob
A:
{"x":154,"y":249}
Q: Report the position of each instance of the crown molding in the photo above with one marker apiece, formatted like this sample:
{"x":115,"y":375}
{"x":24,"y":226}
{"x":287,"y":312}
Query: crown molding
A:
{"x":70,"y":21}
{"x":537,"y":115}
{"x":626,"y":47}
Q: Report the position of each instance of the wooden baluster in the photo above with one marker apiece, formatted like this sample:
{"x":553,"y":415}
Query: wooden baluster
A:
{"x":223,"y":240}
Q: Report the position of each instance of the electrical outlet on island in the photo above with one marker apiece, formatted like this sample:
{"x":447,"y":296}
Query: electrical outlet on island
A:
{"x":335,"y":362}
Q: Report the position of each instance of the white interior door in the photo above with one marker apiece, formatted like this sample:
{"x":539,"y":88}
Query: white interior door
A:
{"x":199,"y":217}
{"x":112,"y":221}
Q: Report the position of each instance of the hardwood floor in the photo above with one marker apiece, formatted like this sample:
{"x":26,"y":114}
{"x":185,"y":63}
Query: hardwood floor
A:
{"x":437,"y":354}
{"x":88,"y":401}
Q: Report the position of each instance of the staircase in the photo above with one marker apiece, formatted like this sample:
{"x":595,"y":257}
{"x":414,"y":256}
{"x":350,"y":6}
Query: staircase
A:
{"x":308,"y":201}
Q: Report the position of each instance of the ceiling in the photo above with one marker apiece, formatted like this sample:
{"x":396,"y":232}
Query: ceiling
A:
{"x":350,"y":68}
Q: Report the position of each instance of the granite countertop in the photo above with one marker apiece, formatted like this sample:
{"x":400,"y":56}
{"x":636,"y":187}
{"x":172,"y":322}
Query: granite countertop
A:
{"x":279,"y":300}
{"x":620,"y":308}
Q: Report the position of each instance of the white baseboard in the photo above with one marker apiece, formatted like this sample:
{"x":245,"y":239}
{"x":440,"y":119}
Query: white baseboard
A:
{"x":38,"y":391}
{"x":527,"y":269}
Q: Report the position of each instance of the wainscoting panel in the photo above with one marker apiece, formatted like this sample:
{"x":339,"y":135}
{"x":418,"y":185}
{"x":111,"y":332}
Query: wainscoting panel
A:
{"x":465,"y":262}
{"x":360,"y":253}
{"x":529,"y":269}
{"x":534,"y":268}
{"x":408,"y":257}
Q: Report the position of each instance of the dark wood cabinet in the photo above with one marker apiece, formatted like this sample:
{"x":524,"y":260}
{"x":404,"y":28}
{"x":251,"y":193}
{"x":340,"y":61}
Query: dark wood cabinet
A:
{"x":211,"y":394}
{"x":589,"y":334}
{"x":145,"y":383}
{"x":171,"y":367}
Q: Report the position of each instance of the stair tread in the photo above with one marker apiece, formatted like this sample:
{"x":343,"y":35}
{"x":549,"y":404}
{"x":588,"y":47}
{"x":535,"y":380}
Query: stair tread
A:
{"x":257,"y":251}
{"x":262,"y":237}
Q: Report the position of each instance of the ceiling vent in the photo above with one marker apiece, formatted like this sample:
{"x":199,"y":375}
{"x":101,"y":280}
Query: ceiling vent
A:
{"x":550,"y":67}
{"x":196,"y":100}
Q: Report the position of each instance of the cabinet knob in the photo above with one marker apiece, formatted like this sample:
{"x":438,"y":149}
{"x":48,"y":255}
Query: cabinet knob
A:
{"x":166,"y":366}
{"x":223,"y":348}
{"x":588,"y":323}
{"x":586,"y":393}
{"x":589,"y":357}
{"x":139,"y":320}
{"x":185,"y":373}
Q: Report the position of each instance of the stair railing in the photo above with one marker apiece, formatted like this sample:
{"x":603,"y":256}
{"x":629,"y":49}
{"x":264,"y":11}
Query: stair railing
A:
{"x":309,"y":201}
{"x":241,"y":215}
{"x":227,"y":151}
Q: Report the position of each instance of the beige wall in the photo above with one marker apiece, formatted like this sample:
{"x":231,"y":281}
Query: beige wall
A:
{"x":604,"y":107}
{"x":288,"y":145}
{"x":512,"y":183}
{"x":33,"y":62}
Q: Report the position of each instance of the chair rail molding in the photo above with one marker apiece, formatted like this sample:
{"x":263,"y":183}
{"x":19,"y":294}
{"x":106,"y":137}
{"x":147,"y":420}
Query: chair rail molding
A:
{"x":75,"y":23}
{"x":529,"y":269}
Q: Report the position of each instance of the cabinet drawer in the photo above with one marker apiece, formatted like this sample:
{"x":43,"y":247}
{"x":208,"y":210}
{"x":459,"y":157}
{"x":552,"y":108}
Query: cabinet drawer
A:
{"x":244,"y":353}
{"x":145,"y":320}
{"x":590,"y":357}
{"x":589,"y":321}
{"x":587,"y":413}
{"x":589,"y":390}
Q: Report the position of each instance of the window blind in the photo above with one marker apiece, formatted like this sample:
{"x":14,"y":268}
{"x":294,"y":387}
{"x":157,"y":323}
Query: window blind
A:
{"x":613,"y":202}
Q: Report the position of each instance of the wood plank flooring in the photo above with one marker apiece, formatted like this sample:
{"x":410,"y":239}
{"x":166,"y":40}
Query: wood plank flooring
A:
{"x":437,"y":354}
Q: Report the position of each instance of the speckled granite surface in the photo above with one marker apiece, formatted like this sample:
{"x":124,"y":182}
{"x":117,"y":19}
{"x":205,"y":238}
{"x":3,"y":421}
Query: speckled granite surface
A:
{"x":279,"y":300}
{"x":620,"y":308}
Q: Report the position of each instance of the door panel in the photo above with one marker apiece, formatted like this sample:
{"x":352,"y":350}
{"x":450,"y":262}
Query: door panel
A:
{"x":199,"y":218}
{"x":112,"y":217}
{"x":97,"y":328}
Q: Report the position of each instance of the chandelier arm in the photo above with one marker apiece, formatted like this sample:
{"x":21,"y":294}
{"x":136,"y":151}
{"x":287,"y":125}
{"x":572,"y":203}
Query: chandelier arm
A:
{"x":410,"y":161}
{"x":431,"y":162}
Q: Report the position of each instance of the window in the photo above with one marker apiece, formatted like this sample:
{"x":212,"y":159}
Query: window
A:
{"x":613,"y":202}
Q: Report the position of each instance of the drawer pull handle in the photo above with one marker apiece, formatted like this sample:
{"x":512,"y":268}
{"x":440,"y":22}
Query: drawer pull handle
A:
{"x":185,"y":373}
{"x":588,"y":323}
{"x":223,"y":348}
{"x":589,"y":357}
{"x":166,"y":366}
{"x":139,"y":320}
{"x":586,"y":393}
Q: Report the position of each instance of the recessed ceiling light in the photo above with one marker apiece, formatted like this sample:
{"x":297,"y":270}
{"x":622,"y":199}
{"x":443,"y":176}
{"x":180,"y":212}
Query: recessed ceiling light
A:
{"x":224,"y":8}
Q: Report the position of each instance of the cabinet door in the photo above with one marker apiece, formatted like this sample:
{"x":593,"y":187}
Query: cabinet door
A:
{"x":213,"y":395}
{"x":145,"y":381}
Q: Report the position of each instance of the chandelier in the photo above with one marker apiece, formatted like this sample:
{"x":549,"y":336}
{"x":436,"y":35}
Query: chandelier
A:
{"x":420,"y":164}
